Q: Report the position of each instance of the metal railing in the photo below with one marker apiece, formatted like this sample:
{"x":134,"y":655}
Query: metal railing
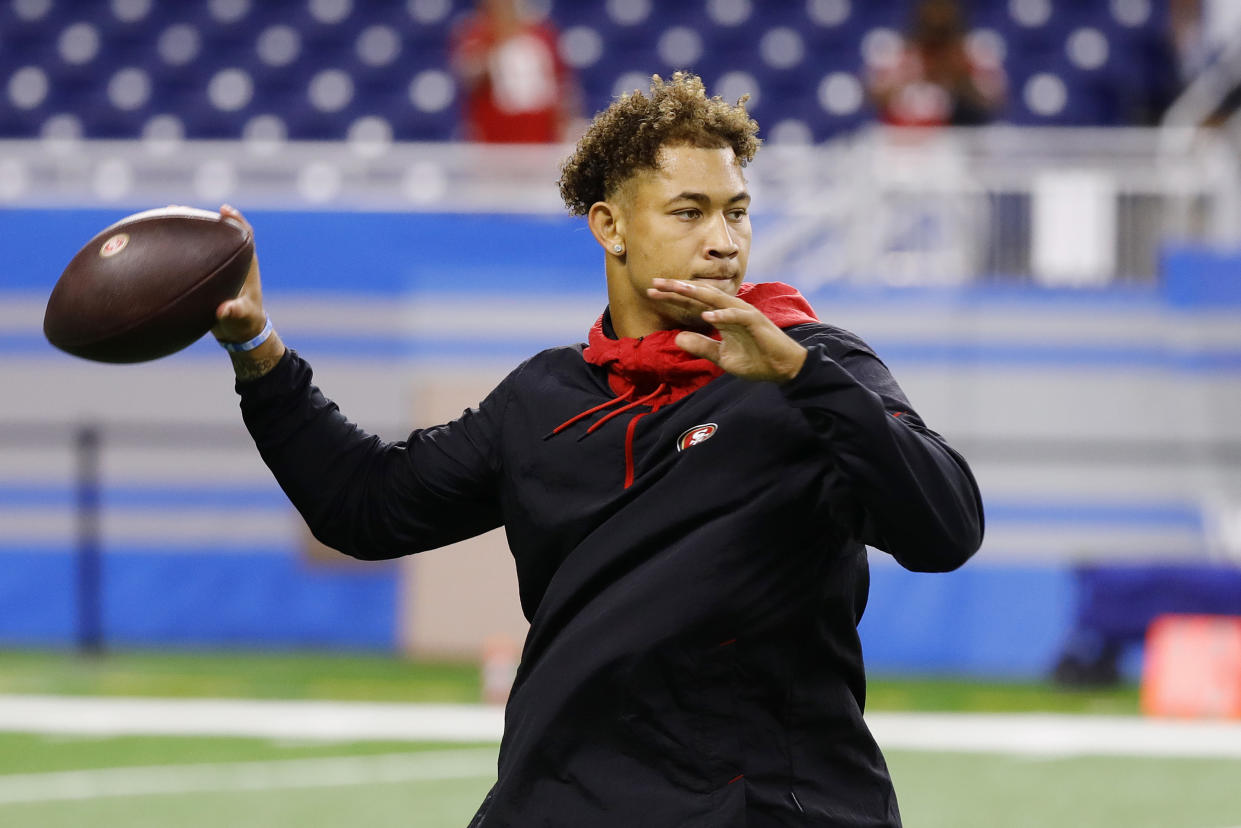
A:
{"x":1059,"y":207}
{"x":1048,"y":206}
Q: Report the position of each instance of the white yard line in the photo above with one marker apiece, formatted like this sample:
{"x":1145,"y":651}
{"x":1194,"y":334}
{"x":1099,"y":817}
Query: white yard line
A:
{"x":247,"y":776}
{"x":1026,"y":734}
{"x":264,"y":719}
{"x":1055,"y":735}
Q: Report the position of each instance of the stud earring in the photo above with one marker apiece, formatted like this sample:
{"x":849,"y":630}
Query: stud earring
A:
{"x":618,"y":249}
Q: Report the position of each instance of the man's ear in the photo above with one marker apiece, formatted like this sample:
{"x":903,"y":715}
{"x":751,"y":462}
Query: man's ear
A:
{"x":607,"y":223}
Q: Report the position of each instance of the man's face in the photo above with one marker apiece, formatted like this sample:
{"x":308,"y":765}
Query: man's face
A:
{"x":687,"y":219}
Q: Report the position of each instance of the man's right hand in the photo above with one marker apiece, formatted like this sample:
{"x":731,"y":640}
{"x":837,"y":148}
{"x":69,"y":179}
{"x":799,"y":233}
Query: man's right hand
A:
{"x":242,"y":318}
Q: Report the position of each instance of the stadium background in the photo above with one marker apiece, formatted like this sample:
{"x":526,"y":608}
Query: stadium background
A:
{"x":1056,"y":292}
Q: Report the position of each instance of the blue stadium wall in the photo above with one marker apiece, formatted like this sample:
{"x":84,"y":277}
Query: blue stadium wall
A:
{"x":966,"y":358}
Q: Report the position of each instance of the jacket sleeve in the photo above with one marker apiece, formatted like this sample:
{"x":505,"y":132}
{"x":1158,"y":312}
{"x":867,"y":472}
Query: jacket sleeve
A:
{"x":916,"y":498}
{"x":366,"y":497}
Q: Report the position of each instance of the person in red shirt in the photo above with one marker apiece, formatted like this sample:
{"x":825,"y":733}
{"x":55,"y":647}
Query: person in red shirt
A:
{"x":935,"y":77}
{"x":517,"y":89}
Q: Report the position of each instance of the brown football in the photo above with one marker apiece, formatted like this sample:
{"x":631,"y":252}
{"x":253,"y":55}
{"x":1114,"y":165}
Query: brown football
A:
{"x":148,"y":285}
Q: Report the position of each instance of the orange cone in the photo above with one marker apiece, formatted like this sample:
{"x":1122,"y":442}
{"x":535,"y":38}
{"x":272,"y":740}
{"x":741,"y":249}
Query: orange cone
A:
{"x":1192,"y":667}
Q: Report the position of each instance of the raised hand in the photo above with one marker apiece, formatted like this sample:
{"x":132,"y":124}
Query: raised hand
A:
{"x":241,"y":318}
{"x":751,"y":346}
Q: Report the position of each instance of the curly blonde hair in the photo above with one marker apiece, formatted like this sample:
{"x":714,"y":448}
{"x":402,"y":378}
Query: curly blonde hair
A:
{"x":626,"y":137}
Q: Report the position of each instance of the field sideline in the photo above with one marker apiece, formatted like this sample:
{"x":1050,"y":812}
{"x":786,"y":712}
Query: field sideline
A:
{"x":1017,"y":734}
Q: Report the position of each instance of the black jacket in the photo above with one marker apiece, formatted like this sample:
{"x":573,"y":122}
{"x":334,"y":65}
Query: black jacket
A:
{"x":693,"y":657}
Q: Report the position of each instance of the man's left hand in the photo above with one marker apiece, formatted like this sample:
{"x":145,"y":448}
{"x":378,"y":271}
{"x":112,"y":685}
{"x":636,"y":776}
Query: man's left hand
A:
{"x":750,"y":344}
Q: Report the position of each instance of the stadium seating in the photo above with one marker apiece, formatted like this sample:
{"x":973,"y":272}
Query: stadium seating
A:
{"x":210,"y":68}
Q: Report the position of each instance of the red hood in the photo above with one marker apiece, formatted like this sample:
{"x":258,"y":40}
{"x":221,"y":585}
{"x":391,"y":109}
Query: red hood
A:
{"x":638,"y":366}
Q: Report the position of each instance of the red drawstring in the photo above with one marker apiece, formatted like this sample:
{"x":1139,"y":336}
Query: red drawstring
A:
{"x":633,"y":424}
{"x":590,"y":411}
{"x":629,"y":431}
{"x":623,"y":408}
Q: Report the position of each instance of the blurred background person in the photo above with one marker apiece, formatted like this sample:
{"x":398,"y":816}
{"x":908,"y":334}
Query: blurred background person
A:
{"x":1204,"y":34}
{"x":933,"y":77}
{"x":518,"y":90}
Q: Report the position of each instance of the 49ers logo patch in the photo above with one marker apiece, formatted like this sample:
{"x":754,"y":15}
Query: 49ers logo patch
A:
{"x":694,"y":436}
{"x":114,"y":245}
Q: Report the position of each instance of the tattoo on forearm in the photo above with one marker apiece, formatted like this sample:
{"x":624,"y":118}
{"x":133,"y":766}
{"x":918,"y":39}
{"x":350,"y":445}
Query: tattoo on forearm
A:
{"x":250,"y":365}
{"x":251,"y":368}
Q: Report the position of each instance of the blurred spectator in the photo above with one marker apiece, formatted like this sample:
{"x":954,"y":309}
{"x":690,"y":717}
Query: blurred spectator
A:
{"x":1201,"y":31}
{"x":517,"y":89}
{"x":933,"y":77}
{"x":1192,"y":49}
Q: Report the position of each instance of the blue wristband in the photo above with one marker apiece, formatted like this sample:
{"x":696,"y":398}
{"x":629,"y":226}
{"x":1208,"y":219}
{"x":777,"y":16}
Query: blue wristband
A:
{"x":251,"y":344}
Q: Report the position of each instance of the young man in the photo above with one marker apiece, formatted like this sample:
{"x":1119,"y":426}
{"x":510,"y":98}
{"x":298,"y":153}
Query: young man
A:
{"x":687,"y":498}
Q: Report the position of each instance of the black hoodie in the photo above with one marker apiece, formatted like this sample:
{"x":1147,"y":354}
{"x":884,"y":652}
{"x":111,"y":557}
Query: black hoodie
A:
{"x":693,"y":657}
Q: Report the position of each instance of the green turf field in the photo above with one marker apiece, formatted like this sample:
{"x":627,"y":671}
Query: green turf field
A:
{"x":249,"y":783}
{"x":944,"y":790}
{"x":48,"y":782}
{"x":255,"y":675}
